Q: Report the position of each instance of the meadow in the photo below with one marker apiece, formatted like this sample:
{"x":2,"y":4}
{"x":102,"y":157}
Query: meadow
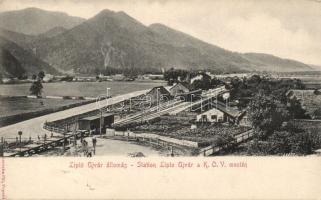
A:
{"x":11,"y":104}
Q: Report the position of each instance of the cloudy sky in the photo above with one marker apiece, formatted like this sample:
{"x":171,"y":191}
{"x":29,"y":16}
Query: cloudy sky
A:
{"x":285,"y":28}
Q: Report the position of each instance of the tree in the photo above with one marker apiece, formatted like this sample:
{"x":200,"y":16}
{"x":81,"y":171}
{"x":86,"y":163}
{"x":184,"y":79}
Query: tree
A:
{"x":175,"y":75}
{"x":204,"y":83}
{"x":267,"y":114}
{"x":41,"y":75}
{"x":36,"y":88}
{"x":285,"y":142}
{"x":295,"y":109}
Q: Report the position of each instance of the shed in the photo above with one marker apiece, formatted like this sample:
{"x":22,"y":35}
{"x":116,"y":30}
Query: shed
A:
{"x":93,"y":122}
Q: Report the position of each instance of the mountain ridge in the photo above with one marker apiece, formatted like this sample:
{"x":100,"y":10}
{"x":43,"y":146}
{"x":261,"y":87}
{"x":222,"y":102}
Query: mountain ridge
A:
{"x":34,"y":21}
{"x":116,"y":40}
{"x":24,"y":61}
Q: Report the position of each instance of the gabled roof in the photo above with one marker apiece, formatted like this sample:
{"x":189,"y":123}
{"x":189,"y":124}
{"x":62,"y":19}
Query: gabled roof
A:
{"x":181,"y":84}
{"x":161,"y":89}
{"x":232,"y":112}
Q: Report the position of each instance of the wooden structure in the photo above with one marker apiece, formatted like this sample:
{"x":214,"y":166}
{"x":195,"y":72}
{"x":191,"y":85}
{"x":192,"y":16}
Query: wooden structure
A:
{"x":220,"y":112}
{"x":94,"y":123}
{"x":238,"y":139}
{"x":41,"y":146}
{"x":158,"y":95}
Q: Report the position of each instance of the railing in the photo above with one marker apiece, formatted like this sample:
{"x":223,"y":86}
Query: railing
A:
{"x":52,"y":128}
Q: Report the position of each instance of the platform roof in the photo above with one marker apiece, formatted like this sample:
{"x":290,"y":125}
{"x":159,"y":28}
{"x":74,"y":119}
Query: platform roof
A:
{"x":91,"y":118}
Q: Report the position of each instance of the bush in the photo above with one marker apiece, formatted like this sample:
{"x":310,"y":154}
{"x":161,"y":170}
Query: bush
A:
{"x":285,"y":142}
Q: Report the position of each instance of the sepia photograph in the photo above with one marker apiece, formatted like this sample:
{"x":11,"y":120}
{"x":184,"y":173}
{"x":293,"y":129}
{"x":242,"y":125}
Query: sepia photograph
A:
{"x":166,"y":79}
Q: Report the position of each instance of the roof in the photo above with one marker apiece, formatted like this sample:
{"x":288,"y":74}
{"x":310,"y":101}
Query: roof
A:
{"x":227,"y":110}
{"x":161,"y":89}
{"x":91,"y":118}
{"x":182,"y":84}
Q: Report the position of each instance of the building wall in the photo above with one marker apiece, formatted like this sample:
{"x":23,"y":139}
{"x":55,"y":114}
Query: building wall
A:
{"x":212,"y":115}
{"x":155,"y":95}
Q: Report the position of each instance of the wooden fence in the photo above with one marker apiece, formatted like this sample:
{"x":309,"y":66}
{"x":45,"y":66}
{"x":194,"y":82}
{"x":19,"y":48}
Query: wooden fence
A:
{"x":210,"y":150}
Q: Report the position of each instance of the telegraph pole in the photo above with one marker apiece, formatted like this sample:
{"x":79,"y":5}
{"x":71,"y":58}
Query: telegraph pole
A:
{"x":100,"y":122}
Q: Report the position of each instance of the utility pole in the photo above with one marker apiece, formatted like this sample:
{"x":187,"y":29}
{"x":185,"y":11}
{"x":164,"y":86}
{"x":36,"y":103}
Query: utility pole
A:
{"x":157,"y":99}
{"x":64,"y":143}
{"x":20,"y":133}
{"x":100,"y":122}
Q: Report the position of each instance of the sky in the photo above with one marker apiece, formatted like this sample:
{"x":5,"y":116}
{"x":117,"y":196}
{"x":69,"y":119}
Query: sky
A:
{"x":285,"y":28}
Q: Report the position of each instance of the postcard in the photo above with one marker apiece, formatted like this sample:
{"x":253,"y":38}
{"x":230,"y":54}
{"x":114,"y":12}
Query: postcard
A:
{"x":160,"y":99}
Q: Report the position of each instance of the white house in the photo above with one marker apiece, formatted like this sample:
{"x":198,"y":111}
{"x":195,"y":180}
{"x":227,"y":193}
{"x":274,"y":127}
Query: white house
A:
{"x":222,"y":113}
{"x":213,"y":115}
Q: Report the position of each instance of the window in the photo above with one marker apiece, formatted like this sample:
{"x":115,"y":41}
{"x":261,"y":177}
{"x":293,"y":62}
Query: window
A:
{"x":214,"y":117}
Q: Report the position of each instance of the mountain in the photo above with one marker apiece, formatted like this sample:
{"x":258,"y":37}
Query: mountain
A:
{"x":115,"y":40}
{"x":34,"y":21}
{"x":316,"y":67}
{"x":9,"y":65}
{"x":53,"y":32}
{"x":16,"y":60}
{"x":111,"y":39}
{"x":220,"y":58}
{"x":266,"y":62}
{"x":21,"y":39}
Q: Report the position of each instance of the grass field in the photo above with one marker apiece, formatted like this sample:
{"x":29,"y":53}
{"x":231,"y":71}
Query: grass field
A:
{"x":19,"y":105}
{"x":87,"y":89}
{"x":11,"y":106}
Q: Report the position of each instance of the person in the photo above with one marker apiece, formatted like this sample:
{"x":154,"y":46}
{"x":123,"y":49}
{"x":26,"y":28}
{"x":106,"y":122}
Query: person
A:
{"x":84,"y":147}
{"x":94,"y":144}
